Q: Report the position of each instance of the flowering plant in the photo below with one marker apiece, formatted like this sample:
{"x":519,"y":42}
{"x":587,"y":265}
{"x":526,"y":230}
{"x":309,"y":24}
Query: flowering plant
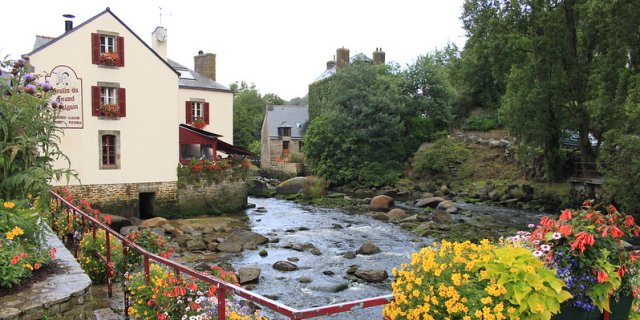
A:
{"x":474,"y":281}
{"x":174,"y":296}
{"x":109,"y":109}
{"x":585,"y":247}
{"x":109,"y":58}
{"x":198,"y":122}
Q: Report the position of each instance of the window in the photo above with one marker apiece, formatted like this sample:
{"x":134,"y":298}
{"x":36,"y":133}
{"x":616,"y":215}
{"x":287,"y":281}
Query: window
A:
{"x":109,"y":149}
{"x":284,"y":131}
{"x":107,"y":44}
{"x":285,"y":148}
{"x":107,"y":49}
{"x":107,"y":100}
{"x":194,"y":110}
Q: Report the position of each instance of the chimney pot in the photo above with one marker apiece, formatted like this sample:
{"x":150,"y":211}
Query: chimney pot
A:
{"x":68,"y":24}
{"x":200,"y":52}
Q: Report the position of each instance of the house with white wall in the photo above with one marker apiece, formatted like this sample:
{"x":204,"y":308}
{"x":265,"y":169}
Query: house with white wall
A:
{"x":130,"y":115}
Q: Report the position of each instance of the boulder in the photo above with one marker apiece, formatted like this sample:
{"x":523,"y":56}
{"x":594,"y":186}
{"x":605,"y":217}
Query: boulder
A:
{"x":381,"y":202}
{"x":444,"y":205}
{"x":186,"y":228}
{"x":349,"y":255}
{"x":260,"y":188}
{"x":243,"y":239}
{"x":196,"y":245}
{"x":285,"y":266}
{"x":441,"y":216}
{"x":304,"y":280}
{"x":444,"y":189}
{"x":396,"y":214}
{"x":229,"y":247}
{"x":427,"y":195}
{"x":452,"y":210}
{"x":315,"y":252}
{"x":380,"y":216}
{"x":368,"y":248}
{"x":429,"y":202}
{"x":372,"y":275}
{"x":126,"y":230}
{"x":293,"y":185}
{"x":495,"y":195}
{"x":413,"y":218}
{"x":118,"y":222}
{"x":249,"y":275}
{"x":153,"y":222}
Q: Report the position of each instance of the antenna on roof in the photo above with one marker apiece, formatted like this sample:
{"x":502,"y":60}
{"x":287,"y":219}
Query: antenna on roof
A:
{"x":160,"y":9}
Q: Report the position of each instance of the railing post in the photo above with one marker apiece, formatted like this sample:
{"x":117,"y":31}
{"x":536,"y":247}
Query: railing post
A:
{"x":146,"y":269}
{"x":222,"y":304}
{"x":111,"y":269}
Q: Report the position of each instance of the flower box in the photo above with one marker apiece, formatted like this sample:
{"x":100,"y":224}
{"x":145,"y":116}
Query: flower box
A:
{"x":109,"y":110}
{"x":109,"y":58}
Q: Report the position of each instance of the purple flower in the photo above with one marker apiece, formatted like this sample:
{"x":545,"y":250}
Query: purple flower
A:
{"x":46,"y":86}
{"x":30,"y":89}
{"x":19,"y":63}
{"x":29,"y":77}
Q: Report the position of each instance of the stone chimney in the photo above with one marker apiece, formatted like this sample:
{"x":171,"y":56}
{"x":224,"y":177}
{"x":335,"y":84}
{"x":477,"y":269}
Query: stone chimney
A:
{"x":159,"y":42}
{"x":205,"y":64}
{"x":331,"y":64}
{"x":269,"y":105}
{"x":342,"y":57}
{"x":378,"y":56}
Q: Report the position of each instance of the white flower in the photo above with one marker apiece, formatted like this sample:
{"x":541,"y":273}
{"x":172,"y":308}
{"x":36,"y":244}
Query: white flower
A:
{"x":557,"y":235}
{"x":538,"y":253}
{"x":531,"y":225}
{"x":545,"y":247}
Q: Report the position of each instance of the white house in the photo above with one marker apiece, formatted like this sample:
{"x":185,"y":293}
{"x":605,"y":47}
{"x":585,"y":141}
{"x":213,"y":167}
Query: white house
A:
{"x":130,"y":114}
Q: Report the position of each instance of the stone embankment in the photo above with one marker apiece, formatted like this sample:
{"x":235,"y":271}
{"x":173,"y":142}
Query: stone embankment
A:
{"x":64,"y":295}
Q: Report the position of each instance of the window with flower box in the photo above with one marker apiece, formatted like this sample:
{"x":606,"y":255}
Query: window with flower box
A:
{"x":107,"y":48}
{"x":109,"y":149}
{"x":108,"y":100}
{"x":197,"y":113}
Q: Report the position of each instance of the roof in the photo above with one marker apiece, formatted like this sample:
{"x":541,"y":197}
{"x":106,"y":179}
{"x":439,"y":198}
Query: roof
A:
{"x":193,"y":135}
{"x":41,"y":42}
{"x":326,"y":74}
{"x":294,"y":117}
{"x":359,"y":57}
{"x":194,"y":80}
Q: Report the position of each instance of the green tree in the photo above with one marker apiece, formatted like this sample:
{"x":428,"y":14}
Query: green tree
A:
{"x":358,"y":139}
{"x":248,"y":112}
{"x":28,"y":136}
{"x":299,"y":101}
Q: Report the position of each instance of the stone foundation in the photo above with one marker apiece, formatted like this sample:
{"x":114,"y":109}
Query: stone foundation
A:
{"x":212,"y":199}
{"x":123,"y":199}
{"x":294,"y":168}
{"x":61,"y":296}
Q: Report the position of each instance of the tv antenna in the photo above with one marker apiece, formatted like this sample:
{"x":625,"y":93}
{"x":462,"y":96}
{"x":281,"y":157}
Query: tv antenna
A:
{"x":160,"y":9}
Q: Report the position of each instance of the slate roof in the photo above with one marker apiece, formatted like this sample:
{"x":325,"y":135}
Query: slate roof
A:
{"x":194,"y":80}
{"x":359,"y":57}
{"x":293,"y":117}
{"x":41,"y":41}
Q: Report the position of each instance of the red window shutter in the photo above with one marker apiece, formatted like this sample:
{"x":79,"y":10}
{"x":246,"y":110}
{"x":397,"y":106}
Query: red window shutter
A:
{"x":206,"y":112}
{"x":121,"y":51}
{"x":122,"y":102}
{"x":187,"y":112}
{"x":95,"y":48}
{"x":95,"y":100}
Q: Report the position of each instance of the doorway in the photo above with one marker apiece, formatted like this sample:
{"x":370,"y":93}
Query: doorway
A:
{"x":146,"y":200}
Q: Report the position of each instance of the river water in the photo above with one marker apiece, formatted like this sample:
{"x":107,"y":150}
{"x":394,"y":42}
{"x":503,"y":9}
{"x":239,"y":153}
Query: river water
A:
{"x":333,"y":232}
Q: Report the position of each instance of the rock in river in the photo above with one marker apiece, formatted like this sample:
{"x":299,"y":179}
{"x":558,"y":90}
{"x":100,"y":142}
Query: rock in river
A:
{"x":249,"y":274}
{"x":285,"y":266}
{"x":368,"y":248}
{"x":372,"y":275}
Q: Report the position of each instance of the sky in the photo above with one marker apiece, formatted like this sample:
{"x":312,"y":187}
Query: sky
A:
{"x":281,"y":46}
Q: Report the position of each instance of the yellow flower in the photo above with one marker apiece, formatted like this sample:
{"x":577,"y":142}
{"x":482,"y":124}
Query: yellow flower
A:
{"x":9,"y":204}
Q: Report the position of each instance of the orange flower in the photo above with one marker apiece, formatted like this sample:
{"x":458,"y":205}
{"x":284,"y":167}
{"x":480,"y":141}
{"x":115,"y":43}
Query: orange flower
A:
{"x":565,"y":230}
{"x":583,"y":238}
{"x":602,"y":276}
{"x":15,"y":259}
{"x":566,"y":215}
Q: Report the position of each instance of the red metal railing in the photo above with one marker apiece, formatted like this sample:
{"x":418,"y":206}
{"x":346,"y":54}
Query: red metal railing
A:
{"x":223,"y":288}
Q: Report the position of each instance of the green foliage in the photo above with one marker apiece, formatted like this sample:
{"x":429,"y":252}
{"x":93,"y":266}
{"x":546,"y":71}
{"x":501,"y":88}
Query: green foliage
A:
{"x":248,"y":113}
{"x":482,"y":122}
{"x":315,"y":187}
{"x":206,"y":171}
{"x":528,"y":283}
{"x":28,"y":136}
{"x":295,"y":157}
{"x":620,"y":164}
{"x":255,"y":147}
{"x":436,"y":159}
{"x":299,"y":101}
{"x":95,"y":268}
{"x":275,"y":174}
{"x":263,"y":253}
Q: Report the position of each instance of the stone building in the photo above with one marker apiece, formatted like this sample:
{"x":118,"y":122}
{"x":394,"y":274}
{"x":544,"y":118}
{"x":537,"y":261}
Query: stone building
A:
{"x":281,"y":138}
{"x":130,"y":114}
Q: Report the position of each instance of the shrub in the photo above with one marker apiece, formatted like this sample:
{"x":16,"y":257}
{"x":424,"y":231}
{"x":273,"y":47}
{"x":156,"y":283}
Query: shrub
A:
{"x":95,"y":268}
{"x":150,"y":241}
{"x":482,"y":122}
{"x":295,"y":157}
{"x":171,"y":296}
{"x":436,"y":159}
{"x":315,"y":187}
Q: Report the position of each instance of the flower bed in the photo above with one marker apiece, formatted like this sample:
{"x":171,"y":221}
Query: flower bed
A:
{"x":210,"y":172}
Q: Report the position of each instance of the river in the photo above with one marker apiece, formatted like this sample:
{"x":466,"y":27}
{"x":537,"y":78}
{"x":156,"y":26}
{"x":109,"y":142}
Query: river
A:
{"x":333,"y":232}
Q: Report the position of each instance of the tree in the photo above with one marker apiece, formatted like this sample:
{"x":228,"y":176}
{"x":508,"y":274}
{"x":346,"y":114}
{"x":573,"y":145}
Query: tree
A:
{"x":248,"y":112}
{"x":299,"y":101}
{"x":28,"y":136}
{"x":358,"y":139}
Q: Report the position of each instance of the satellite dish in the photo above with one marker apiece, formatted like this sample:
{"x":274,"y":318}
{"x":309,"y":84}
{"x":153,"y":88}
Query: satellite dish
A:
{"x":161,"y":34}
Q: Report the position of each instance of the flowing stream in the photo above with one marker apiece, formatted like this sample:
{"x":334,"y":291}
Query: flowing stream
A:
{"x":333,"y":232}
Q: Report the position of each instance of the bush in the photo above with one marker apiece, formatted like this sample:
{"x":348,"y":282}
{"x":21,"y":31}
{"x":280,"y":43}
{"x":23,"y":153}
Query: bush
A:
{"x":436,"y":159}
{"x":316,"y":187}
{"x":95,"y":268}
{"x":22,"y":247}
{"x":482,"y":122}
{"x":295,"y":157}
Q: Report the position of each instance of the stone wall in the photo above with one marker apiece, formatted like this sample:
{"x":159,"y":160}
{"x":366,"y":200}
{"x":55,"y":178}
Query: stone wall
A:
{"x":276,"y":151}
{"x":211,"y":199}
{"x":65,"y":295}
{"x":123,"y":199}
{"x":294,"y":168}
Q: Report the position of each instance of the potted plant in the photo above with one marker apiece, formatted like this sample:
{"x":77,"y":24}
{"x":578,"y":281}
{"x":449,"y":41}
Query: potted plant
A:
{"x":586,"y":248}
{"x":109,"y":110}
{"x":109,"y":58}
{"x":198,"y":122}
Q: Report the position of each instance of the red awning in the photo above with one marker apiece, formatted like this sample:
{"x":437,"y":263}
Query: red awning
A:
{"x":193,"y":135}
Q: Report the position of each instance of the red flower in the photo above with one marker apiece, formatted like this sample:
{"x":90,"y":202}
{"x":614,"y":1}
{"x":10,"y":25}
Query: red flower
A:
{"x":192,"y":286}
{"x":150,"y":302}
{"x":24,"y":255}
{"x":583,"y":238}
{"x":15,"y":259}
{"x":566,"y":215}
{"x":36,"y":266}
{"x":602,"y":276}
{"x":565,"y":230}
{"x":178,"y":291}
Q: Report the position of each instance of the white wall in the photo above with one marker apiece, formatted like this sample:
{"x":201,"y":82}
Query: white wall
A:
{"x":220,"y":110}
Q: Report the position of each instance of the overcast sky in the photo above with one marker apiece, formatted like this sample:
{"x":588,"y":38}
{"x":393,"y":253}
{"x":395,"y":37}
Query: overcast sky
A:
{"x":280,"y":45}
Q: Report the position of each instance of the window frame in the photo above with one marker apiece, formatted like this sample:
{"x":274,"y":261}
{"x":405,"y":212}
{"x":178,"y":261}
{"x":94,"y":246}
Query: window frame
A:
{"x":108,"y":95}
{"x":102,"y":134}
{"x":197,"y":110}
{"x":105,"y":46}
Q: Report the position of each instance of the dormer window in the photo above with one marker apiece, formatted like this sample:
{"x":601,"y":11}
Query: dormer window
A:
{"x":284,"y":131}
{"x":107,"y":48}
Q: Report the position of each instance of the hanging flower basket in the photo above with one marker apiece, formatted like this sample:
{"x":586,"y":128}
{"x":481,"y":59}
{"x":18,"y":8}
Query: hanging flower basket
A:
{"x":109,"y":58}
